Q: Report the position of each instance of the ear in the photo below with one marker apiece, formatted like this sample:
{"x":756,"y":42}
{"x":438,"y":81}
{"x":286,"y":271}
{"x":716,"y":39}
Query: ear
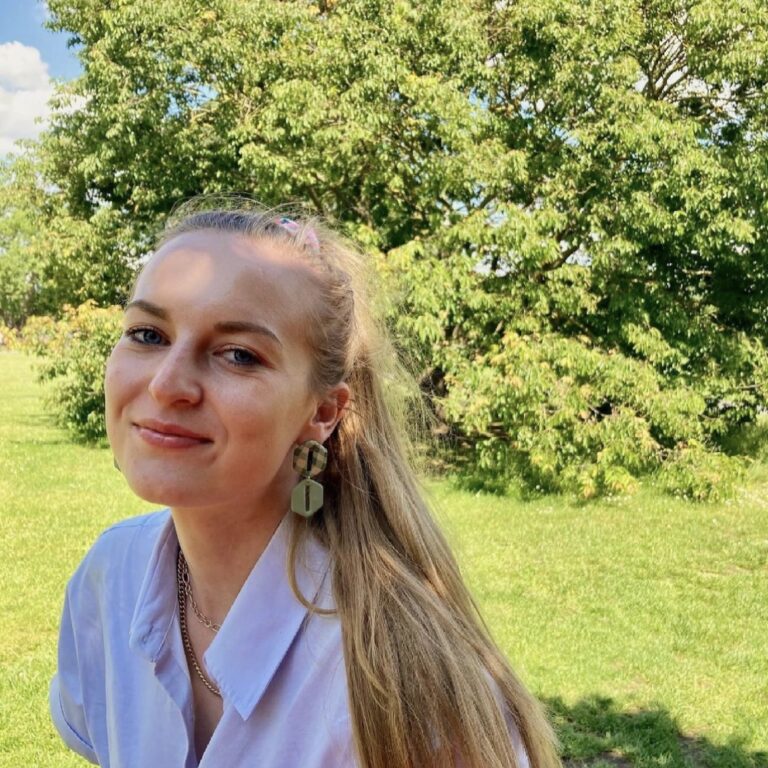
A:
{"x":328,"y":414}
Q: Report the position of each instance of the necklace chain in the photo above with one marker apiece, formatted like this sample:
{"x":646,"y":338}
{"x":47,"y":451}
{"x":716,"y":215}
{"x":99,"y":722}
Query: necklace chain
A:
{"x":186,"y":581}
{"x":184,"y":590}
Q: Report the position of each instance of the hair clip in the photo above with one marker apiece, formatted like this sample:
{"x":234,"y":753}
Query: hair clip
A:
{"x":294,"y":228}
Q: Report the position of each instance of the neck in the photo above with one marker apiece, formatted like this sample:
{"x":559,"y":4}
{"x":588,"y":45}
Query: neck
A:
{"x":221,"y":548}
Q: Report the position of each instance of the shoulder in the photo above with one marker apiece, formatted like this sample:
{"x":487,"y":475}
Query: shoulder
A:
{"x":134,"y":532}
{"x":121,"y":553}
{"x":141,"y":526}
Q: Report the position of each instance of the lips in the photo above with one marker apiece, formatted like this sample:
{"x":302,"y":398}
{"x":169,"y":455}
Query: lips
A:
{"x":166,"y":428}
{"x":167,"y":435}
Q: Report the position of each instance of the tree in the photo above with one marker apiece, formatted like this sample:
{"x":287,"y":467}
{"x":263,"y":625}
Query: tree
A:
{"x":50,"y":258}
{"x":566,"y":197}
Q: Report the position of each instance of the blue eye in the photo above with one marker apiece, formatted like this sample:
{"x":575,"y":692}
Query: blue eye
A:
{"x":241,"y":357}
{"x":148,"y":336}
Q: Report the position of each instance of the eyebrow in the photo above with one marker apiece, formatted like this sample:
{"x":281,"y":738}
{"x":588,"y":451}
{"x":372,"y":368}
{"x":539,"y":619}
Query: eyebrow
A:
{"x":242,"y":326}
{"x":148,"y":307}
{"x":225,"y":326}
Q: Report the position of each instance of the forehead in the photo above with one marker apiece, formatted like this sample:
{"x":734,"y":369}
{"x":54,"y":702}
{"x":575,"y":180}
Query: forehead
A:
{"x":222,"y":272}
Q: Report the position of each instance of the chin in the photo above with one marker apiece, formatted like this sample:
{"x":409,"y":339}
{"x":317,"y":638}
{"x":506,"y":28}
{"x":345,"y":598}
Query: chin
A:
{"x":166,"y":492}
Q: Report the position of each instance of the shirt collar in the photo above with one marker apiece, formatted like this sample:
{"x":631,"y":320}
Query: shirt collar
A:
{"x":155,"y":611}
{"x":264,"y":619}
{"x":261,"y":624}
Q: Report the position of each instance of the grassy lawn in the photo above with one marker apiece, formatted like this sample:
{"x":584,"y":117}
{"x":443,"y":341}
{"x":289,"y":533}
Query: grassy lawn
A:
{"x":642,"y":622}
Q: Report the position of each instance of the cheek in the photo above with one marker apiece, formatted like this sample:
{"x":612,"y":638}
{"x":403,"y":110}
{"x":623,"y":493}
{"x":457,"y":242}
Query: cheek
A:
{"x":111,"y":397}
{"x":112,"y":379}
{"x":268,"y":424}
{"x":118,"y":383}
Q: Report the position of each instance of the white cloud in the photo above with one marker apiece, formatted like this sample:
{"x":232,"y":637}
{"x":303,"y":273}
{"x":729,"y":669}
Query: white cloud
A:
{"x":25,"y":88}
{"x":21,"y":66}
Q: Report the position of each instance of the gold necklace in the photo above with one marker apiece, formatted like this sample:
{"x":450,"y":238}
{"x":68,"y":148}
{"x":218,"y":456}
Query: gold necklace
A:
{"x":184,"y":576}
{"x":181,"y":588}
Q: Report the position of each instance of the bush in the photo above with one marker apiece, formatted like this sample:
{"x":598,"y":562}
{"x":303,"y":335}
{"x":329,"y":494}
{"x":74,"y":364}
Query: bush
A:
{"x":74,"y":350}
{"x":38,"y":332}
{"x":8,"y":337}
{"x":695,"y":473}
{"x":560,"y":416}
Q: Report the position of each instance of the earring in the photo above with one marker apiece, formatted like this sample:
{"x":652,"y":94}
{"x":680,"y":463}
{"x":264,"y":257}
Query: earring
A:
{"x":116,"y":465}
{"x":309,"y":459}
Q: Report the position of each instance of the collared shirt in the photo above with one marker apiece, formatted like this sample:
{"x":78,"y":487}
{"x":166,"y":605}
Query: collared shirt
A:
{"x":122,"y":697}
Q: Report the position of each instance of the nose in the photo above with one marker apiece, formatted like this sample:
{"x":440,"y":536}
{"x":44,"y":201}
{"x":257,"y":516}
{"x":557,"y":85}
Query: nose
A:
{"x":176,"y":380}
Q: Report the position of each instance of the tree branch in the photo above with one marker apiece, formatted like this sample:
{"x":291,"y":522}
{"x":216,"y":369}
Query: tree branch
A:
{"x":552,"y":265}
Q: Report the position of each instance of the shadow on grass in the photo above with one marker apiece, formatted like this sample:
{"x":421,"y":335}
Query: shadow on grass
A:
{"x":47,"y":442}
{"x":54,"y":433}
{"x":33,"y":422}
{"x":595,"y":733}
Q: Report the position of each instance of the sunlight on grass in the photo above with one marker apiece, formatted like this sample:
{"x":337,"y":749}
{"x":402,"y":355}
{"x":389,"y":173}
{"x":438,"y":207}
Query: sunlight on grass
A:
{"x":56,"y":497}
{"x":641,"y":621}
{"x":649,"y":601}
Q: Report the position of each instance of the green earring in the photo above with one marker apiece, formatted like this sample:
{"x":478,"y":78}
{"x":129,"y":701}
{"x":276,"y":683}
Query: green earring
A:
{"x":309,"y":459}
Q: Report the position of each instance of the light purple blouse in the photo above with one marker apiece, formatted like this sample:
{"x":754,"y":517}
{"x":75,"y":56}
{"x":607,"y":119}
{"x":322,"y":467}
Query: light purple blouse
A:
{"x":122,"y":697}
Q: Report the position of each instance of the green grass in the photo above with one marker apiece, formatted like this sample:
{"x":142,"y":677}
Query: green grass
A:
{"x":54,"y":499}
{"x":642,"y":622}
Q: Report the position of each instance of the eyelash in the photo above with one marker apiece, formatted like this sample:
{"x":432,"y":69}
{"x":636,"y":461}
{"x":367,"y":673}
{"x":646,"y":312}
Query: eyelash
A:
{"x":134,"y":334}
{"x":255,"y":360}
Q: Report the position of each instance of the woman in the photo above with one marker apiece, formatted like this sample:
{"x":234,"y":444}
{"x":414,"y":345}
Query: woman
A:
{"x":295,"y":605}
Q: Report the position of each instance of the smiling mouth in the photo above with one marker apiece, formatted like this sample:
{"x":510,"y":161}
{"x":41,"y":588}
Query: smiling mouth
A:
{"x":169,"y":435}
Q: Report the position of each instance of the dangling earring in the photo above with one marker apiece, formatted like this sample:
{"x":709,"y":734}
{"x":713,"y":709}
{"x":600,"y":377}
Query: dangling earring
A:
{"x":116,"y":465}
{"x":309,"y":459}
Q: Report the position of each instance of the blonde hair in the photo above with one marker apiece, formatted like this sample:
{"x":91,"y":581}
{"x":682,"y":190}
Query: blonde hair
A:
{"x":420,"y":664}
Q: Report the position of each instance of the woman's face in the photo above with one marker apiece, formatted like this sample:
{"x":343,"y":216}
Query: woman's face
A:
{"x":208,"y":388}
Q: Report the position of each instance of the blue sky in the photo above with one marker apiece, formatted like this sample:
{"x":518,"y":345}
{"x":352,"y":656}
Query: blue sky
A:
{"x":22,"y":21}
{"x":30,"y":55}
